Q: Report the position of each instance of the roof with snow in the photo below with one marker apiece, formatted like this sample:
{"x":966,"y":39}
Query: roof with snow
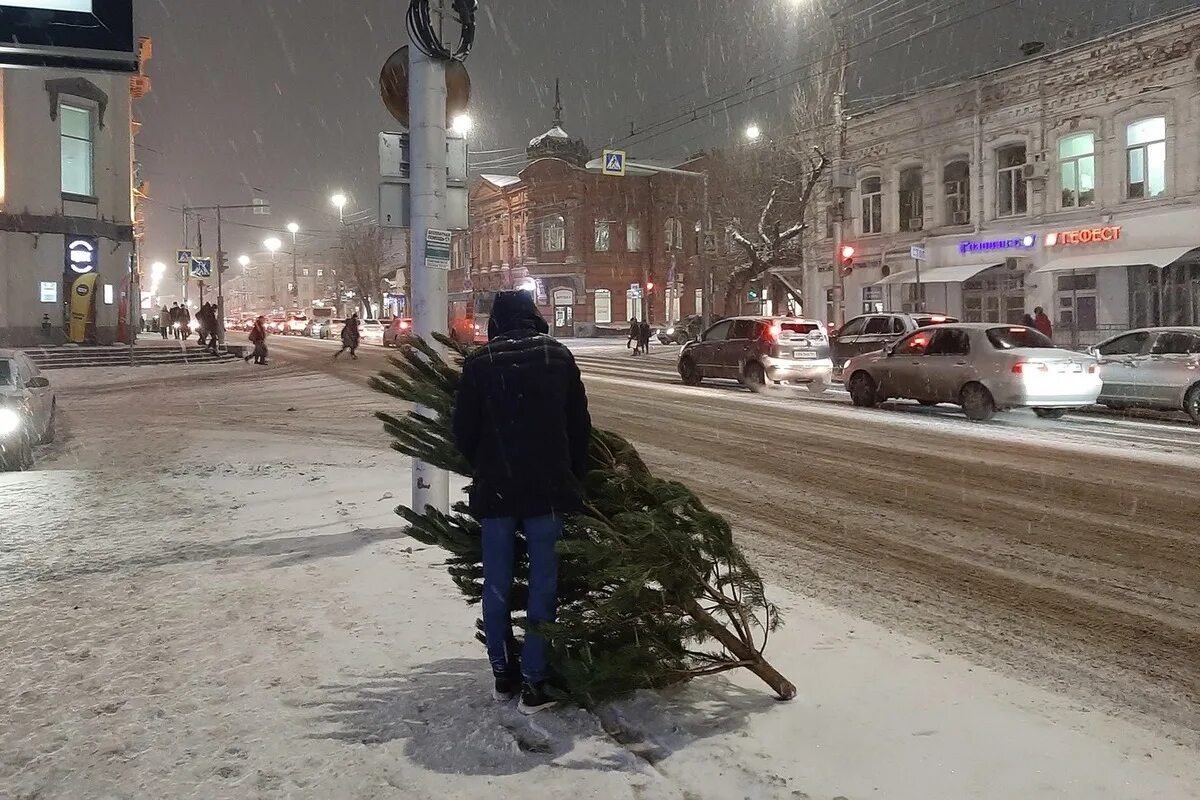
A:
{"x":554,"y":133}
{"x":500,"y":181}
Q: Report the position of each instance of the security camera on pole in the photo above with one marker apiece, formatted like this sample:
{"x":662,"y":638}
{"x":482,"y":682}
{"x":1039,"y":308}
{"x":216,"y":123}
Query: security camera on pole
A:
{"x":423,"y":93}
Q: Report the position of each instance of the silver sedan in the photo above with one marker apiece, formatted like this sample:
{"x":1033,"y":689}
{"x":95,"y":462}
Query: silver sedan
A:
{"x":1152,"y":368}
{"x":984,"y":367}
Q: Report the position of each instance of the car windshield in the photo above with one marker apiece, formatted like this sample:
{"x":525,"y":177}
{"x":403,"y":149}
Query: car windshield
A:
{"x":6,"y":372}
{"x":1010,"y":338}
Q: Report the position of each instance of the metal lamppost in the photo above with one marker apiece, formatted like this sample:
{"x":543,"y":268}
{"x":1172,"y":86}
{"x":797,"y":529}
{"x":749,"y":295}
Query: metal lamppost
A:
{"x":293,"y":229}
{"x":273,"y":244}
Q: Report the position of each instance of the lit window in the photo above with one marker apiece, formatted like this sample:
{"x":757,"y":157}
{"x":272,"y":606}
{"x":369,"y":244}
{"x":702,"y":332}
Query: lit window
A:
{"x":1146,"y":155}
{"x":304,"y":272}
{"x":633,"y":237}
{"x":871,"y":192}
{"x":1011,"y":195}
{"x":1077,"y":164}
{"x":77,"y":150}
{"x":603,"y":306}
{"x":554,"y":235}
{"x":320,"y":273}
{"x":603,"y":236}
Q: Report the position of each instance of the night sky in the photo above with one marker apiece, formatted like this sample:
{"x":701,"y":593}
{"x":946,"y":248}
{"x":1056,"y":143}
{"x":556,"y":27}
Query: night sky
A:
{"x":281,"y":95}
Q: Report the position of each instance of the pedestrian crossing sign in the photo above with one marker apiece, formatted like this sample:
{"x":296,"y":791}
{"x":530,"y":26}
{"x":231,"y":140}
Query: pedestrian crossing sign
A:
{"x":614,"y":162}
{"x":201,"y":268}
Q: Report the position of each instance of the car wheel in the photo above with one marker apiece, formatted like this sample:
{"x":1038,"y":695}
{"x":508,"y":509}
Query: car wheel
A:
{"x":48,"y":434}
{"x":755,"y":377}
{"x":1050,"y":413}
{"x":863,"y":391}
{"x":818,"y":387}
{"x":689,"y":373}
{"x":1191,"y":404}
{"x":977,"y":402}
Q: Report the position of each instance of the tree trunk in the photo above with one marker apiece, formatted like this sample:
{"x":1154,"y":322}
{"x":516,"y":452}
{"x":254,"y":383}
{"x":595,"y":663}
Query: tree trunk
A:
{"x":742,"y":652}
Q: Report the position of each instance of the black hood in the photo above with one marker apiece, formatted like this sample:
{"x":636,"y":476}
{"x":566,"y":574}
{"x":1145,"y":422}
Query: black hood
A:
{"x":515,"y":311}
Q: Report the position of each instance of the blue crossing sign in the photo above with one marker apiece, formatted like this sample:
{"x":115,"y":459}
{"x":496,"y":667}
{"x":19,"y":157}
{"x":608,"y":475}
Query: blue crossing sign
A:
{"x":201,"y":268}
{"x":614,"y":162}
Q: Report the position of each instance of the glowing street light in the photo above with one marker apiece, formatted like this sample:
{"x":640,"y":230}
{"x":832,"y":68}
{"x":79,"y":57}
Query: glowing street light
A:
{"x":244,"y":260}
{"x":462,"y":124}
{"x":158,"y":269}
{"x":753,"y":132}
{"x":339,"y":200}
{"x":272,"y":244}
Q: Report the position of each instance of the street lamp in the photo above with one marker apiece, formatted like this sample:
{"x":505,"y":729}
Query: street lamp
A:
{"x":462,"y":124}
{"x":753,"y":132}
{"x":273,"y":244}
{"x":339,"y":200}
{"x":244,"y":260}
{"x":293,"y":229}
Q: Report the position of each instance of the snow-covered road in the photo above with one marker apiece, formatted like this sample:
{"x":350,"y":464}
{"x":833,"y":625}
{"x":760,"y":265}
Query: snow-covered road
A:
{"x":204,"y":593}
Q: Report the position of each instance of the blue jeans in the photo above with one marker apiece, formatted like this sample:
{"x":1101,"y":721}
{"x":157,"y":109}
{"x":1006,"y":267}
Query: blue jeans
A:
{"x":499,"y":539}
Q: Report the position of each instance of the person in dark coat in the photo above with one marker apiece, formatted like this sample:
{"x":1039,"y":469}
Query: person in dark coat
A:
{"x":175,"y":315}
{"x":1029,"y":322}
{"x":258,"y":338}
{"x":635,"y":336}
{"x":1042,"y":322}
{"x":164,"y":322}
{"x":521,"y":420}
{"x":185,"y":322}
{"x":350,"y":336}
{"x":644,"y":336}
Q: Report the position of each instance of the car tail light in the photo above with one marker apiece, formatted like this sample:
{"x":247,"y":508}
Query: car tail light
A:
{"x":404,"y":326}
{"x":775,"y":331}
{"x":1093,"y":369}
{"x":1029,"y":368}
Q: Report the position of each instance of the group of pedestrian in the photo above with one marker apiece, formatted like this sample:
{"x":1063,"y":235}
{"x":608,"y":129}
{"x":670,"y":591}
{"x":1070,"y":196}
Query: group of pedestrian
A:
{"x":639,"y":336}
{"x":175,"y":321}
{"x":350,"y":337}
{"x":258,"y":338}
{"x":1039,"y":322}
{"x":209,"y":328}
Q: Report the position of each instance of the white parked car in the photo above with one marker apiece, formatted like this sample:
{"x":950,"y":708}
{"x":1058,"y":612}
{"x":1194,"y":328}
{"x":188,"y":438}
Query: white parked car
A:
{"x":27,"y":410}
{"x":371,"y":330}
{"x":983,"y":367}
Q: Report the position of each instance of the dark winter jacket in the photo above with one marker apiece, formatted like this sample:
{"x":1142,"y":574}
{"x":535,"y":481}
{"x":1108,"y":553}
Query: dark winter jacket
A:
{"x":350,"y":332}
{"x":521,"y":417}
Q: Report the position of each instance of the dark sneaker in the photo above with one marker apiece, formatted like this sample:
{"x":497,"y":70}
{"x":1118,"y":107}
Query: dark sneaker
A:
{"x":508,"y":686}
{"x":534,"y":699}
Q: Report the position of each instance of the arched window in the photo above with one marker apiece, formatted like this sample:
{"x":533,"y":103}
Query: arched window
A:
{"x":870,"y":190}
{"x":554,"y":234}
{"x":956,"y":183}
{"x":673,"y":234}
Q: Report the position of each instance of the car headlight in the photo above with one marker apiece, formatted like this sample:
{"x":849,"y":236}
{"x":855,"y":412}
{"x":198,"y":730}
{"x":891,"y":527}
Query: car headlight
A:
{"x":10,"y":421}
{"x":670,"y":331}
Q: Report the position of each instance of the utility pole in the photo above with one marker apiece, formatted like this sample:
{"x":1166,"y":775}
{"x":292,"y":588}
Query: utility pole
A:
{"x":427,"y":138}
{"x":186,"y":267}
{"x":220,"y":259}
{"x":839,"y":194}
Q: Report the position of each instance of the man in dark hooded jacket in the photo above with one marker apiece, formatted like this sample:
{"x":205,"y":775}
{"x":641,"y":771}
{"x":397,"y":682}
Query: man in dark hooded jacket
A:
{"x":521,"y":419}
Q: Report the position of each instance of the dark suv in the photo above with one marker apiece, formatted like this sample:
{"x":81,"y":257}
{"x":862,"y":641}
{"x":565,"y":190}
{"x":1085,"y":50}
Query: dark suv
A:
{"x":760,"y":350}
{"x":872,"y":332}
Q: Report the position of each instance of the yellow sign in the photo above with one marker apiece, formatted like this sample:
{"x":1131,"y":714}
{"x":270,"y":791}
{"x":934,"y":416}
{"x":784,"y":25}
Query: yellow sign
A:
{"x":83,"y":304}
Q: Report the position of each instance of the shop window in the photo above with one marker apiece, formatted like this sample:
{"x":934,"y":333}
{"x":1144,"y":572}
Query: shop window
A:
{"x":603,"y":306}
{"x":603,"y":239}
{"x":870,"y":191}
{"x":633,"y":237}
{"x":872,"y":299}
{"x":912,"y":297}
{"x":956,"y":182}
{"x":78,"y":147}
{"x":1146,"y":155}
{"x":1077,"y":301}
{"x":1011,"y":195}
{"x":1077,"y":167}
{"x":554,"y":236}
{"x":911,"y":199}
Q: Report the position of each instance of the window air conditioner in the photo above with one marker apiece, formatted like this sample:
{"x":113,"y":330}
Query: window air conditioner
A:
{"x":1036,"y":171}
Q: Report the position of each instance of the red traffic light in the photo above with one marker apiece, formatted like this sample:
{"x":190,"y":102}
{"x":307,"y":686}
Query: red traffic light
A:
{"x":846,"y":257}
{"x":649,"y":286}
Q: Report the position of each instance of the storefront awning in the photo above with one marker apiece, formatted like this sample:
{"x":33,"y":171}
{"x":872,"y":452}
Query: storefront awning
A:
{"x":955,"y":274}
{"x":1159,"y":257}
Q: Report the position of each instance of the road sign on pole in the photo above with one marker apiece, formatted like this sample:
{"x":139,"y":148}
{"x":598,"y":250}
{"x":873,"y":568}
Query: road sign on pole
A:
{"x":437,"y":248}
{"x":201,"y":268}
{"x":183,"y":257}
{"x":918,"y":253}
{"x":614,"y":163}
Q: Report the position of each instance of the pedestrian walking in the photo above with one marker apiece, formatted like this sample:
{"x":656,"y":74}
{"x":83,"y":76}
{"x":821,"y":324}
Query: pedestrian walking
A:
{"x":1042,"y":322}
{"x":258,"y":338}
{"x":185,"y":322}
{"x":521,"y":420}
{"x":350,"y":336}
{"x":1029,"y":322}
{"x":644,"y":336}
{"x":635,"y":336}
{"x":164,"y":322}
{"x":176,"y":316}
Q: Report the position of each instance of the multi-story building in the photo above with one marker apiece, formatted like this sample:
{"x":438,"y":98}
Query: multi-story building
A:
{"x":1069,"y":181}
{"x":597,"y":250}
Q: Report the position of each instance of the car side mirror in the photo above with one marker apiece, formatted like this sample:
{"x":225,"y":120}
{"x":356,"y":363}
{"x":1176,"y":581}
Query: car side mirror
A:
{"x":39,"y":382}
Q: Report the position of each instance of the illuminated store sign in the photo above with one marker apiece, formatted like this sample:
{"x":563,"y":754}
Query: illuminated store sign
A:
{"x":1104,"y":233}
{"x":1020,"y":243}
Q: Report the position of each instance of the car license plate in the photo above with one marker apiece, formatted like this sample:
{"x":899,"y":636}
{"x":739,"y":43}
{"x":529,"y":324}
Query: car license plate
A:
{"x":804,"y":354}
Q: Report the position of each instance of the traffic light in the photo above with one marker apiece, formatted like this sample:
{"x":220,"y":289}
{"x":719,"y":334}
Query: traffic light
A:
{"x":754,"y":293}
{"x":649,"y":287}
{"x":222,"y":261}
{"x":846,"y":258}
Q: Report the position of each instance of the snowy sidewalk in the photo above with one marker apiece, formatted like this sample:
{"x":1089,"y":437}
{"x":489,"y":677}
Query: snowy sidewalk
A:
{"x":211,"y":598}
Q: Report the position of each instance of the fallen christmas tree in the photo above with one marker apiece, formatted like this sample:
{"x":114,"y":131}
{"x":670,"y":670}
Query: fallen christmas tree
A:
{"x":649,"y":579}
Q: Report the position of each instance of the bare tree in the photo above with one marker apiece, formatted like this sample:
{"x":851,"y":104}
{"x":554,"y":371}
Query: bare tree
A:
{"x":770,"y":190}
{"x":366,"y":252}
